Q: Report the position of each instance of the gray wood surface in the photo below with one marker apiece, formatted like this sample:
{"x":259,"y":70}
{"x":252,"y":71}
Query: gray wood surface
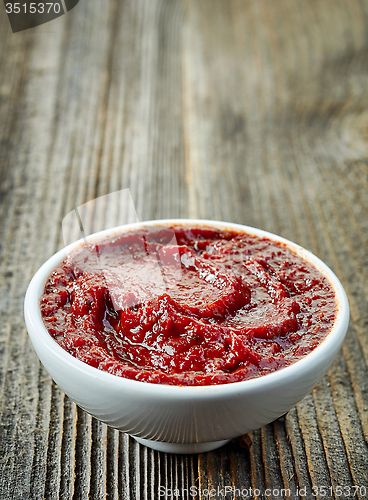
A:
{"x":251,"y":111}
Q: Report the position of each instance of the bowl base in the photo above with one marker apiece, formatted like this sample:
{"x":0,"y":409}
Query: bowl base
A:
{"x":181,"y":447}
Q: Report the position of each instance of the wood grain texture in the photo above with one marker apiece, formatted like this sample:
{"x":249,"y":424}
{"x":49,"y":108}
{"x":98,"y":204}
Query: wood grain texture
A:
{"x":251,"y":111}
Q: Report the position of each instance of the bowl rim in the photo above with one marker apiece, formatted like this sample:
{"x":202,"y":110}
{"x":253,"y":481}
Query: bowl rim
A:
{"x":337,"y":333}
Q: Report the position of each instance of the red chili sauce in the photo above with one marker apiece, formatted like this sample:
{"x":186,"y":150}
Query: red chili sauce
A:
{"x":187,"y":306}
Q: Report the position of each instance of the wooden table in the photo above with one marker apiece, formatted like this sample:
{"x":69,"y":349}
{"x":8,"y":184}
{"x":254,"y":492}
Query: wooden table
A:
{"x":250,"y":111}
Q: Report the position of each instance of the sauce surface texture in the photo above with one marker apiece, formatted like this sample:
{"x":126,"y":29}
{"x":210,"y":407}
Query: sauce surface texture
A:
{"x":187,"y":306}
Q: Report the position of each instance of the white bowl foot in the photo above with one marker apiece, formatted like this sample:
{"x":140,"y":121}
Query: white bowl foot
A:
{"x":181,"y":447}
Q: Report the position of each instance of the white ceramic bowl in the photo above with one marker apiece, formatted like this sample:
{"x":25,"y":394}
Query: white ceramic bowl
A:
{"x":178,"y":419}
